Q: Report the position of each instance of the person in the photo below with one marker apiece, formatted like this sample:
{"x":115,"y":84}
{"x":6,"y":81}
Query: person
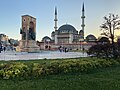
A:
{"x":66,"y":50}
{"x":83,"y":50}
{"x":4,"y":49}
{"x":0,"y":48}
{"x":60,"y":48}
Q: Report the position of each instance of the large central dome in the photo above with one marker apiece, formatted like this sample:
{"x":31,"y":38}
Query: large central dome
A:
{"x":67,"y":29}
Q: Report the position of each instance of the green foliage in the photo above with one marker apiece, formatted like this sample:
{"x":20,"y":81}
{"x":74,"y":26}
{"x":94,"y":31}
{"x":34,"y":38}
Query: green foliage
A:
{"x":36,"y":69}
{"x":104,"y":51}
{"x":12,"y":70}
{"x":99,"y":79}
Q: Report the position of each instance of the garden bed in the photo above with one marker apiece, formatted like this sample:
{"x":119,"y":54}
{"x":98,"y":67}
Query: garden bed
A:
{"x":39,"y":68}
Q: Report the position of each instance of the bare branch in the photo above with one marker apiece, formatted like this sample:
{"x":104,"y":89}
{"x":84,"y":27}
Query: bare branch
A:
{"x":111,"y":23}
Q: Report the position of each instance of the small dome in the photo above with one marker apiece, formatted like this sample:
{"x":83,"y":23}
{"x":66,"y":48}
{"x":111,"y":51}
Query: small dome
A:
{"x":81,"y":31}
{"x":53,"y":32}
{"x":46,"y":39}
{"x":67,"y":29}
{"x":103,"y":39}
{"x":91,"y":38}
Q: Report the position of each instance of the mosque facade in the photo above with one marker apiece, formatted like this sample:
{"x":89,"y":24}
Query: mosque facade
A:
{"x":68,"y":36}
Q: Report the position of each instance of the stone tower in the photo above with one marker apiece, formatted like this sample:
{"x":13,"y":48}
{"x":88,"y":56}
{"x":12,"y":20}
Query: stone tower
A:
{"x":56,"y":39}
{"x":83,"y":19}
{"x":55,"y":19}
{"x":28,"y":28}
{"x":28,"y":34}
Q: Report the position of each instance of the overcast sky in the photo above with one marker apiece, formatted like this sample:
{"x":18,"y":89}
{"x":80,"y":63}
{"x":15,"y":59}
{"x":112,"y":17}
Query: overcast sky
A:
{"x":69,"y":11}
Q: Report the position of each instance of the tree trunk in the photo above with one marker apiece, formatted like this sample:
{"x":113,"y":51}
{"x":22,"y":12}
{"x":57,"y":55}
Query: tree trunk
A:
{"x":114,"y":49}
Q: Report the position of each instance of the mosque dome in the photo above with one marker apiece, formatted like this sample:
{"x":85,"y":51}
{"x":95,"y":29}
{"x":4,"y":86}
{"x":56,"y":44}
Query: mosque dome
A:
{"x":46,"y":39}
{"x":67,"y":29}
{"x":91,"y":38}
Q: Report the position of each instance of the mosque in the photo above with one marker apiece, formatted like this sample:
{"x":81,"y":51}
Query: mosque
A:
{"x":67,"y":36}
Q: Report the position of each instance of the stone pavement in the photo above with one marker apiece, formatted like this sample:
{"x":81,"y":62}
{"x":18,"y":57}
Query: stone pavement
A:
{"x":12,"y":55}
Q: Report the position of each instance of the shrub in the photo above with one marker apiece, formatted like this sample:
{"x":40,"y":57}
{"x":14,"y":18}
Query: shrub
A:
{"x":105,"y":51}
{"x":12,"y":70}
{"x":21,"y":70}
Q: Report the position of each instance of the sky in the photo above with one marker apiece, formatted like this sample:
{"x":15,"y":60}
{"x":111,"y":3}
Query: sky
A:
{"x":69,"y":11}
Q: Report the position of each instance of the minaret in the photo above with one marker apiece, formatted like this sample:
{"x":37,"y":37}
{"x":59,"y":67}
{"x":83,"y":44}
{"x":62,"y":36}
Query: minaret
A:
{"x":55,"y":19}
{"x":83,"y":19}
{"x":56,"y":32}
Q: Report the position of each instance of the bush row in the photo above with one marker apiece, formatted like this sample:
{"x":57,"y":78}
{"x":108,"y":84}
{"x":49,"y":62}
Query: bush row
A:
{"x":22,"y":70}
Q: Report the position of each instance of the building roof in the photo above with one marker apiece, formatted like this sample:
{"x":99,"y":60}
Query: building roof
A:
{"x":67,"y":29}
{"x":28,"y":16}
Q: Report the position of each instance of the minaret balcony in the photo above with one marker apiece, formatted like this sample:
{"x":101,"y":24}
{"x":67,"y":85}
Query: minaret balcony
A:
{"x":83,"y":25}
{"x":55,"y":19}
{"x":82,"y":16}
{"x":55,"y":27}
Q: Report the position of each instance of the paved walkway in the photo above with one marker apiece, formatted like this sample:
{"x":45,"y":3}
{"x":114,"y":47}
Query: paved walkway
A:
{"x":12,"y":55}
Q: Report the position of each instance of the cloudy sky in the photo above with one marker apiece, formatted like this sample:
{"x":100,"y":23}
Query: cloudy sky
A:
{"x":69,"y":11}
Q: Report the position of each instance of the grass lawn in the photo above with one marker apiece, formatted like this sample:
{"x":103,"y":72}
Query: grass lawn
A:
{"x":100,"y":79}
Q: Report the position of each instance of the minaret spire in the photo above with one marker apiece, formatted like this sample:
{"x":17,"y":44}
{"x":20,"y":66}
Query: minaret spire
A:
{"x":83,"y":7}
{"x":83,"y":19}
{"x":55,"y":19}
{"x":55,"y":10}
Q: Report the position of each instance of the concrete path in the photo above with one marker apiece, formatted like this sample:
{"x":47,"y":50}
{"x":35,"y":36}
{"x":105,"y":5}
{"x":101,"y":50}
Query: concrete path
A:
{"x":12,"y":55}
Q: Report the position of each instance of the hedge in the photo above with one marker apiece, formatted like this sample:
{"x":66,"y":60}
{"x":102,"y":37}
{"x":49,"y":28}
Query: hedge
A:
{"x":23,"y":70}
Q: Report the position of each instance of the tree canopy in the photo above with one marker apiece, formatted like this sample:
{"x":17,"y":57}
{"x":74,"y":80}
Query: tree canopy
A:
{"x":110,"y":24}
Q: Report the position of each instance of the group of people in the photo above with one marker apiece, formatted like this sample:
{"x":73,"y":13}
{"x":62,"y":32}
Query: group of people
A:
{"x":6,"y":48}
{"x":63,"y":49}
{"x":2,"y":48}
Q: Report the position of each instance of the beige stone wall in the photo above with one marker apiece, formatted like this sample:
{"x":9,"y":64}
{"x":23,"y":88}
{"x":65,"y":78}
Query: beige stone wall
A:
{"x":75,"y":46}
{"x":26,"y":19}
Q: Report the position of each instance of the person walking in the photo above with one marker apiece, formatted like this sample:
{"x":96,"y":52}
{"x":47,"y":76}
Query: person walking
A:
{"x":4,"y":49}
{"x":0,"y":48}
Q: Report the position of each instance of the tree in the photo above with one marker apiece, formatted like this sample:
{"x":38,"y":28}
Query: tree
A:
{"x":101,"y":51}
{"x":111,"y":23}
